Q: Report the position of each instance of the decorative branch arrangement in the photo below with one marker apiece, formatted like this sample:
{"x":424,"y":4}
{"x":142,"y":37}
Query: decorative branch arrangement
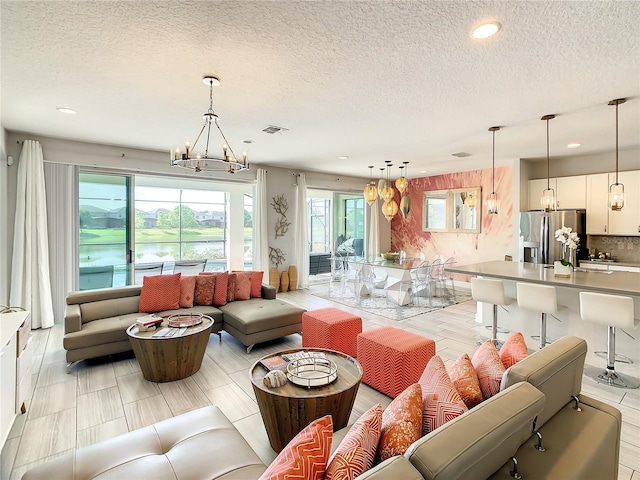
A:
{"x":276,"y":256}
{"x":280,"y":205}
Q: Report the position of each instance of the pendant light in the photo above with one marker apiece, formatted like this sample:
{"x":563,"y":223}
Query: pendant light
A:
{"x":616,"y":190}
{"x":390,"y":206}
{"x":493,"y":204}
{"x":382,"y":183}
{"x":405,"y":200}
{"x":548,"y":199}
{"x":370,"y":191}
{"x":402,"y":183}
{"x":387,"y":191}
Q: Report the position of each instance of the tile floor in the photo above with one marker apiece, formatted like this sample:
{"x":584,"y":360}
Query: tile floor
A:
{"x":107,"y":397}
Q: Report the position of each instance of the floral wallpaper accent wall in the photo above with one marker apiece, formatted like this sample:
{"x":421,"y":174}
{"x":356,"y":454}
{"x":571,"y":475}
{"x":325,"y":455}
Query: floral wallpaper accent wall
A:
{"x":492,"y":243}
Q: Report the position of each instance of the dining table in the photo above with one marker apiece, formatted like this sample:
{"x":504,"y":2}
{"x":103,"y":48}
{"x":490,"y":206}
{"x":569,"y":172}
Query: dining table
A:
{"x":397,"y":276}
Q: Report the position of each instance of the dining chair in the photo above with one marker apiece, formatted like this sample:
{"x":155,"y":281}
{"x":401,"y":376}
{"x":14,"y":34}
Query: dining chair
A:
{"x":189,"y":267}
{"x":421,"y":283}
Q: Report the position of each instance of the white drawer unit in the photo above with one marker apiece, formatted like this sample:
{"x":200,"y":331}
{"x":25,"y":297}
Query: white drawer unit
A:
{"x":23,"y":376}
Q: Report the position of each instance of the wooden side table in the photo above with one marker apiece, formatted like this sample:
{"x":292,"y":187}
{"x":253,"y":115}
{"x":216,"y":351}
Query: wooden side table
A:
{"x":288,"y":409}
{"x":165,"y":359}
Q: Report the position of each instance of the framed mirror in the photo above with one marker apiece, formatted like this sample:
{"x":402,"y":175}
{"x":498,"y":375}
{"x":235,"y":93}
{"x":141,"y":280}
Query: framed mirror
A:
{"x":455,"y":210}
{"x":434,"y":211}
{"x":466,"y":205}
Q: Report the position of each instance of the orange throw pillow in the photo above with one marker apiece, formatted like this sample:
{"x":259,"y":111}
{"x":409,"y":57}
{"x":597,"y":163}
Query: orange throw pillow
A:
{"x":243,"y":285}
{"x":220,"y":288}
{"x":231,"y":287}
{"x":401,"y":423}
{"x":204,"y":290}
{"x":489,"y":368}
{"x":256,"y":284}
{"x":465,"y":379}
{"x":356,"y":453}
{"x":441,"y":402}
{"x":187,"y":289}
{"x":513,"y":350}
{"x":160,"y":292}
{"x":306,"y":455}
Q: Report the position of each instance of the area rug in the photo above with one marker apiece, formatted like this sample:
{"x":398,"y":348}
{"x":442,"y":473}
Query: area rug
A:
{"x":378,"y":305}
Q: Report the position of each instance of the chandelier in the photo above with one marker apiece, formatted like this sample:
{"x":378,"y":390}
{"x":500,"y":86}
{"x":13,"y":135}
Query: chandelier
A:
{"x":192,"y":159}
{"x":385,"y":191}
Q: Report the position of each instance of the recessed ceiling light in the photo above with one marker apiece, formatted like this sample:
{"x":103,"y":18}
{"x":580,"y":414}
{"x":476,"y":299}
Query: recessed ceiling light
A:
{"x":423,"y":171}
{"x":573,"y":145}
{"x":486,"y":30}
{"x":343,"y":157}
{"x":68,"y":110}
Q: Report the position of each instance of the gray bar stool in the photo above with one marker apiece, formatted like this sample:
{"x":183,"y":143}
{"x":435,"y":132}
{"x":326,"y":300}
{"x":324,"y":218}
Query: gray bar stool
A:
{"x":491,"y":291}
{"x":613,"y":311}
{"x":538,"y":298}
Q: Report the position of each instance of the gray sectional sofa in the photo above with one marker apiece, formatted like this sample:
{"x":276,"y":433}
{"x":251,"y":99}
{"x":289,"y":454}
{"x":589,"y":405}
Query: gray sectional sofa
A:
{"x":96,"y":321}
{"x":540,"y":405}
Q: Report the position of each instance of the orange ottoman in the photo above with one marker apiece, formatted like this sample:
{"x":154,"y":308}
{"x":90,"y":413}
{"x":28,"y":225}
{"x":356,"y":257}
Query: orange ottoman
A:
{"x":331,"y":328}
{"x":392,"y":359}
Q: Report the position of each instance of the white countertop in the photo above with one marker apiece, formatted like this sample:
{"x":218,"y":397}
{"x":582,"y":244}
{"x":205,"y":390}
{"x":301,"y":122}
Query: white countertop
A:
{"x":613,"y":282}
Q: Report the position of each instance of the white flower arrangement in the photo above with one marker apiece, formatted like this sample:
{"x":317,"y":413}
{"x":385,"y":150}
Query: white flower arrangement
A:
{"x":567,"y":237}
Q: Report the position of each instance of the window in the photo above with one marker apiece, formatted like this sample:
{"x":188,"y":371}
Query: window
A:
{"x":248,"y":231}
{"x":354,"y":217}
{"x":319,"y":225}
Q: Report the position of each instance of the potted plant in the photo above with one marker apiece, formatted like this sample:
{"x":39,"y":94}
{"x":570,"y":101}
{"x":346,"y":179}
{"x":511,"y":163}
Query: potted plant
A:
{"x":570,"y":242}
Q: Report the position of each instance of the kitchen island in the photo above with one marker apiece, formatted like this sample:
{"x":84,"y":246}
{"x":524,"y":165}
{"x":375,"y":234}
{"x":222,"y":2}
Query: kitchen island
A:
{"x":568,"y":320}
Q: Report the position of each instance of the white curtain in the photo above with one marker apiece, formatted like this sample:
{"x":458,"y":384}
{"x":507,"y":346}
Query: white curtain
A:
{"x":373,"y":238}
{"x":260,"y":239}
{"x":301,"y":236}
{"x":30,"y":284}
{"x":62,"y":214}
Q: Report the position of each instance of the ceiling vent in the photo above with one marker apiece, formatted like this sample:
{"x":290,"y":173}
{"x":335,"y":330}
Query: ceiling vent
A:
{"x":271,"y":129}
{"x":461,"y":154}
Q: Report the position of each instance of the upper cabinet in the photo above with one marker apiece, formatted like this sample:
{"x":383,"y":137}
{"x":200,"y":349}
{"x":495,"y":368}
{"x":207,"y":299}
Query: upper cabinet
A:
{"x":601,"y":220}
{"x":571,"y":192}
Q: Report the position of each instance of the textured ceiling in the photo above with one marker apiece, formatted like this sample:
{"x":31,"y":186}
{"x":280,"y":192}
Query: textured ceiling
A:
{"x":400,"y":81}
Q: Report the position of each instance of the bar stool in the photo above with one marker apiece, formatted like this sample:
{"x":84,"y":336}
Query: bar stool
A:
{"x":613,"y":311}
{"x":538,"y":298}
{"x":488,"y":290}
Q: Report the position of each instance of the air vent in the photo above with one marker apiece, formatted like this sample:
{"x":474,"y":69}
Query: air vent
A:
{"x":461,"y":154}
{"x":271,"y":129}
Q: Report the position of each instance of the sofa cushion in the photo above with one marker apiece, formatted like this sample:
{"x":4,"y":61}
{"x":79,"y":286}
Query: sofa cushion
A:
{"x":306,"y":455}
{"x":465,"y":379}
{"x":489,"y":368}
{"x":187,"y":289}
{"x":96,"y":310}
{"x":199,"y":444}
{"x":258,"y":315}
{"x":513,"y":350}
{"x":356,"y":453}
{"x":231,"y":287}
{"x":480,"y":441}
{"x":106,"y":330}
{"x":401,"y":423}
{"x":441,"y":401}
{"x":256,"y":284}
{"x":243,"y":285}
{"x":205,"y":285}
{"x":160,"y":292}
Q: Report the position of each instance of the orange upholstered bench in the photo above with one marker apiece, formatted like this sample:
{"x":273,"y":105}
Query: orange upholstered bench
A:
{"x":331,"y":328}
{"x":392,"y":359}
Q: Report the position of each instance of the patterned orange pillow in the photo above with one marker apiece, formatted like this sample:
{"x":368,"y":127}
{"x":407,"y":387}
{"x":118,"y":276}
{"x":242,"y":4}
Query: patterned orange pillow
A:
{"x":231,"y":287}
{"x":441,"y":401}
{"x":243,"y":285}
{"x":204,"y":290}
{"x":489,"y":368}
{"x":356,"y":453}
{"x":160,"y":292}
{"x":401,"y":423}
{"x":306,"y":455}
{"x":187,"y":289}
{"x":256,"y":284}
{"x":220,"y":288}
{"x":513,"y":350}
{"x":465,"y":379}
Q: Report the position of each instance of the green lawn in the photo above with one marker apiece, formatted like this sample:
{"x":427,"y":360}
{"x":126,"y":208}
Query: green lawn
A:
{"x":152,"y":235}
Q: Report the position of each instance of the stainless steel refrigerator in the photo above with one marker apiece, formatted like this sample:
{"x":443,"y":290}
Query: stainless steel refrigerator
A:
{"x":537,"y":234}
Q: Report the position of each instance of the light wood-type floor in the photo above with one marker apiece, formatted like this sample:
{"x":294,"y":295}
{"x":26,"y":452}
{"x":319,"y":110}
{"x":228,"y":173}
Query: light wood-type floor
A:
{"x":104,"y":398}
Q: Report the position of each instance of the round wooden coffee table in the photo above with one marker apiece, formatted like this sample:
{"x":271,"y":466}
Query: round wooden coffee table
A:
{"x":288,"y":409}
{"x":169,"y":358}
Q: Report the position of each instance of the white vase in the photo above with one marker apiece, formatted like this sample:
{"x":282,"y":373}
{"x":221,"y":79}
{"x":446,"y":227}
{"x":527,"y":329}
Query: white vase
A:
{"x":560,"y":270}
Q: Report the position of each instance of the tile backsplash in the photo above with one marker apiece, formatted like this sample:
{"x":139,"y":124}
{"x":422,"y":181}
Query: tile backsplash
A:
{"x":622,"y":249}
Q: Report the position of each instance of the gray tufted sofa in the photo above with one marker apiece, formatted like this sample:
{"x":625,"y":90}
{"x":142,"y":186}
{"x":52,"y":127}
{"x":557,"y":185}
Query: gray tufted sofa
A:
{"x":96,"y":321}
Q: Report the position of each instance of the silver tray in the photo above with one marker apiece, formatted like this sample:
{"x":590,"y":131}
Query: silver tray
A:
{"x":312,"y":372}
{"x":181,"y":320}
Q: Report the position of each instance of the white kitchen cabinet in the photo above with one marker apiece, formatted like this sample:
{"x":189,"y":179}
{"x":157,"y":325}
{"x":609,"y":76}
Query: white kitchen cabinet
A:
{"x":598,"y":204}
{"x":627,"y":220}
{"x":624,"y":268}
{"x":536,"y":187}
{"x":571,"y":192}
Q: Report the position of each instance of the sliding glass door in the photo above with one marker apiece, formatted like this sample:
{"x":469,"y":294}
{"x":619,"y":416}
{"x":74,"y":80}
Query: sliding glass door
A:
{"x":104,"y":233}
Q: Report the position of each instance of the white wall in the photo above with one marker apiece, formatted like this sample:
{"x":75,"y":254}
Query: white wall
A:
{"x":4,"y":231}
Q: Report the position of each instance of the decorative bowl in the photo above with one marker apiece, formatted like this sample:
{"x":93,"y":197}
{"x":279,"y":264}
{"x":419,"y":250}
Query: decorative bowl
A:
{"x":391,"y":255}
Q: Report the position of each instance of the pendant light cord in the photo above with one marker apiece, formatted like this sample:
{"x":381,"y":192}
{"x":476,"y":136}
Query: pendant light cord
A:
{"x":493,"y":165}
{"x":548,"y":170}
{"x":616,"y":143}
